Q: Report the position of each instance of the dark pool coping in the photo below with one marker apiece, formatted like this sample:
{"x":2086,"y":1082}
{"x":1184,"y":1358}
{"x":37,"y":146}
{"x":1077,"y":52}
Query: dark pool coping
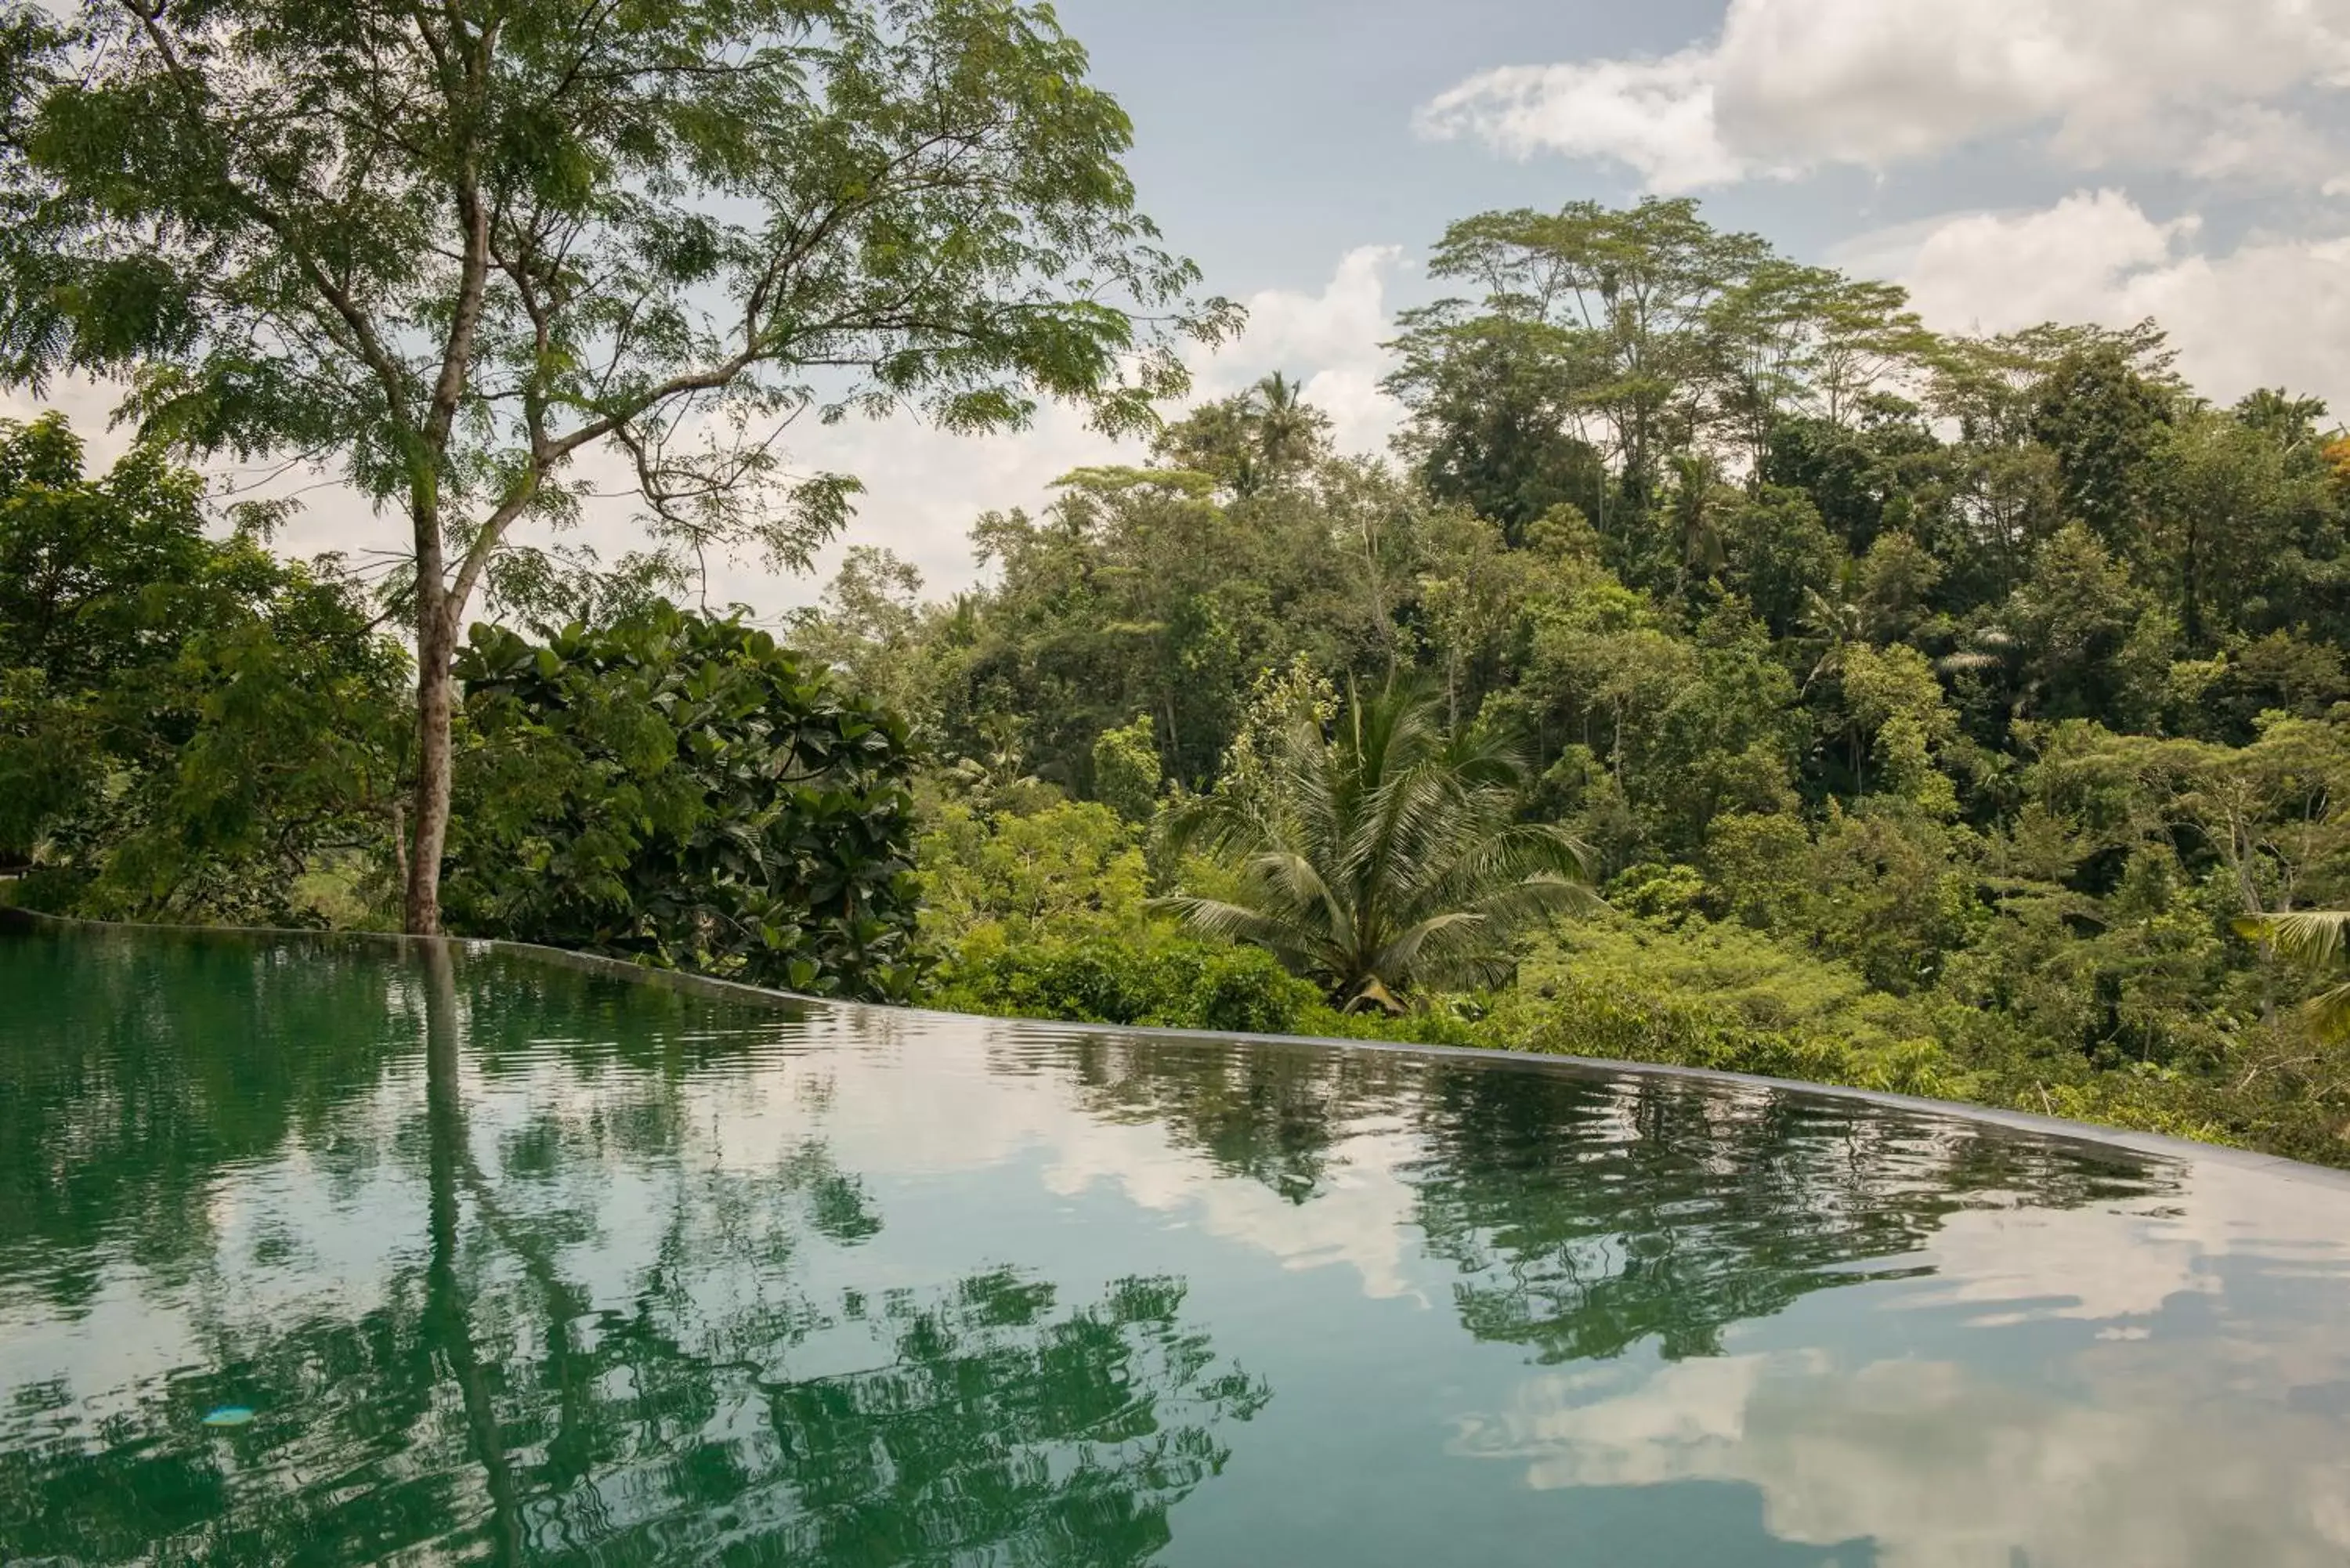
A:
{"x":2152,"y":1145}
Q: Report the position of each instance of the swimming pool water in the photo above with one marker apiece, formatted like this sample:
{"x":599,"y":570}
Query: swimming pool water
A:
{"x":327,"y":1251}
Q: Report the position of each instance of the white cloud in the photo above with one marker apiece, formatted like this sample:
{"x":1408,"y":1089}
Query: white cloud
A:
{"x":1995,"y":271}
{"x":2269,"y":312}
{"x":1790,"y":84}
{"x":87,"y":404}
{"x":1656,"y":115}
{"x":2073,"y":1450}
{"x":1331,"y":340}
{"x":2255,"y":142}
{"x":1939,"y":1465}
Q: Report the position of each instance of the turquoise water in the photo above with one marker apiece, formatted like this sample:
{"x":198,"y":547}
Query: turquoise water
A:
{"x":330,"y":1254}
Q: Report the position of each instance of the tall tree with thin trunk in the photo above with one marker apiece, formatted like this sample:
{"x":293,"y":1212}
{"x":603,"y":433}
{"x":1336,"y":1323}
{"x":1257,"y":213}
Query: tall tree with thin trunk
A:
{"x":485,"y":258}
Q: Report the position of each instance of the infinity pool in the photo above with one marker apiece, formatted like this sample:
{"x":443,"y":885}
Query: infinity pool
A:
{"x":340,"y":1252}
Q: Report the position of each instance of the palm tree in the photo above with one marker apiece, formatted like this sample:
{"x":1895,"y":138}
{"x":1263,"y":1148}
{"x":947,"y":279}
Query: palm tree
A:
{"x":2315,"y":937}
{"x":1289,"y":430}
{"x":998,"y":776}
{"x":1837,"y":625}
{"x":1695,"y":516}
{"x":1384,"y":856}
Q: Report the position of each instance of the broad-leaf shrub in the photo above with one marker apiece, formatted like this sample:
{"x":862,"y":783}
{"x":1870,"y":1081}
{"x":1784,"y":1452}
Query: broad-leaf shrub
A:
{"x":681,"y":791}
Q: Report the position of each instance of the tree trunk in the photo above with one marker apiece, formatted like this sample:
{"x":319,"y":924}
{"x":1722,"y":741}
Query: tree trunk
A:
{"x":435,"y":690}
{"x":2191,"y":595}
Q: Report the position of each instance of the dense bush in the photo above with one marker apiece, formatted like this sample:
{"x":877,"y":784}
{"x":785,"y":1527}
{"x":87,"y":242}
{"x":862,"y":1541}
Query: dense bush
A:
{"x":1685,"y":993}
{"x":682,"y":791}
{"x":1011,"y":875}
{"x":1694,"y":993}
{"x":190,"y":727}
{"x":1157,"y":978}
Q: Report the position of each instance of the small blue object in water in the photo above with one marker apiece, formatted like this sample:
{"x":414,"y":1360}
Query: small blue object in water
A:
{"x":229,"y":1415}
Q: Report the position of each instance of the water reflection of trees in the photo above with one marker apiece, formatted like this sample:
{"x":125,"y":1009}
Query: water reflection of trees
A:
{"x":486,"y":1402}
{"x":1583,"y":1214}
{"x":135,"y":1073}
{"x":1587,"y":1215}
{"x":1276,"y":1114}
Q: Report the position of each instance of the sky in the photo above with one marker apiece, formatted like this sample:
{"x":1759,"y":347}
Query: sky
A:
{"x":2008,"y":160}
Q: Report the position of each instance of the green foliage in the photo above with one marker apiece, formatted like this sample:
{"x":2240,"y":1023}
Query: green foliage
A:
{"x":2314,"y":937}
{"x":1897,"y":713}
{"x":1070,"y":867}
{"x":1046,"y":915}
{"x":1938,"y":745}
{"x":1493,"y":415}
{"x":2102,"y":418}
{"x":1742,"y":973}
{"x":1941,"y":710}
{"x":472,"y":242}
{"x":681,"y":791}
{"x":1267,"y":438}
{"x":867,"y":185}
{"x":1126,"y":777}
{"x":1776,"y":552}
{"x":190,"y":730}
{"x":1155,"y":978}
{"x":1382,"y":855}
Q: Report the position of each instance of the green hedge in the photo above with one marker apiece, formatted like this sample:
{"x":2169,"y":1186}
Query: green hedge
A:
{"x":1159,"y":980}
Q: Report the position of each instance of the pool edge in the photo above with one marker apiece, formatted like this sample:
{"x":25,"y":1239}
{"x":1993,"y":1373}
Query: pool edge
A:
{"x":2153,"y":1145}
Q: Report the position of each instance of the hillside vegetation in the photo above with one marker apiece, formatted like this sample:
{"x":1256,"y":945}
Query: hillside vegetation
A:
{"x":1722,"y":669}
{"x":1936,"y":713}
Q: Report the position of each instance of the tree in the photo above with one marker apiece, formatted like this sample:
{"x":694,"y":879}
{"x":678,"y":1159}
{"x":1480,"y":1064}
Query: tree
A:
{"x":1895,"y":580}
{"x":1864,"y":480}
{"x":1471,"y":603}
{"x":1494,"y":425}
{"x":1796,"y":341}
{"x":1620,"y":303}
{"x":93,"y":575}
{"x":681,"y":790}
{"x":2312,"y":937}
{"x":873,"y":629}
{"x":1774,"y":550}
{"x":2237,"y":506}
{"x":83,"y":561}
{"x":1072,"y":868}
{"x":2104,"y":419}
{"x":1264,"y":438}
{"x":1127,"y":777}
{"x":453,"y":251}
{"x":1383,"y":856}
{"x":1145,"y":591}
{"x":1291,"y":432}
{"x":2076,"y":620}
{"x":1896,"y":715}
{"x":188,"y":727}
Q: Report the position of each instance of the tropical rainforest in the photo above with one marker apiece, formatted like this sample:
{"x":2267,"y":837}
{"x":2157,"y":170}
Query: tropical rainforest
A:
{"x":1721,"y":669}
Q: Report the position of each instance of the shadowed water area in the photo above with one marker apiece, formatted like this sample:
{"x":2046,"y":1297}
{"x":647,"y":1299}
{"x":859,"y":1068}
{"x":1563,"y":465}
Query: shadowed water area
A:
{"x":514,"y":1263}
